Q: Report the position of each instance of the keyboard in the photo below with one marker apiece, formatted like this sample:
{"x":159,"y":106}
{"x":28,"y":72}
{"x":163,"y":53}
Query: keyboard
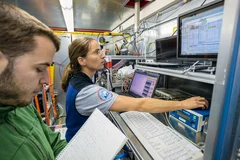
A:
{"x":161,"y":142}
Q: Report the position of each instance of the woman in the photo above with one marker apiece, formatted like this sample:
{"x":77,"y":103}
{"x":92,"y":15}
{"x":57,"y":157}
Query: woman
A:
{"x":83,"y":96}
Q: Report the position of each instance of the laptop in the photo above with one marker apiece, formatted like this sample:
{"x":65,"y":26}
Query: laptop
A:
{"x":143,"y":84}
{"x":166,"y":52}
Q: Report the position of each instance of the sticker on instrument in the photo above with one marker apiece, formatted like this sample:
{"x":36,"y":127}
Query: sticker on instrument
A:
{"x":104,"y":94}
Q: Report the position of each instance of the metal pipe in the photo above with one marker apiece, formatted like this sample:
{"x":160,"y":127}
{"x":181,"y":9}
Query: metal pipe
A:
{"x":136,"y":18}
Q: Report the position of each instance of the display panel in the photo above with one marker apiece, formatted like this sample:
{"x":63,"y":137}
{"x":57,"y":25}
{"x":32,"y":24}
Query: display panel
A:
{"x":166,"y":48}
{"x":199,"y":32}
{"x":143,"y":84}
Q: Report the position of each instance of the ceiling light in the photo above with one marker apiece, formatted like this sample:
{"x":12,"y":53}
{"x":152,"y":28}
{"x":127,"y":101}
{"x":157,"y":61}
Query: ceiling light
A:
{"x":67,"y":10}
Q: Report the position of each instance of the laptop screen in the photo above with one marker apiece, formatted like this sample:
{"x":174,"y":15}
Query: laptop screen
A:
{"x":166,"y":48}
{"x":143,"y":84}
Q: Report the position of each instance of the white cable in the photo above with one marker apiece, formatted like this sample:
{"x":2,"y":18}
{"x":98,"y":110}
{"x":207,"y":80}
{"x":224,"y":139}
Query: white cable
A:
{"x":185,"y":71}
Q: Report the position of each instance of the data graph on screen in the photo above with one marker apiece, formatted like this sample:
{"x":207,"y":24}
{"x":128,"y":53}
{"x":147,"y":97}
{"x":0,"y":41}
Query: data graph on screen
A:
{"x":201,"y":32}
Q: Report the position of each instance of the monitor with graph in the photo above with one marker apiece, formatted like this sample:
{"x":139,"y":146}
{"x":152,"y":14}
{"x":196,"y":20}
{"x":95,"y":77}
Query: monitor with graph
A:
{"x":199,"y":32}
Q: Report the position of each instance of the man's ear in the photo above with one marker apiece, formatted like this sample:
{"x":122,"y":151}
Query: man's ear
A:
{"x":3,"y":62}
{"x":81,"y":61}
{"x":1,"y":54}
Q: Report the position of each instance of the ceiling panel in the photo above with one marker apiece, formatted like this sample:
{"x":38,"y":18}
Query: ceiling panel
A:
{"x":98,"y":14}
{"x":48,"y":11}
{"x":88,"y":14}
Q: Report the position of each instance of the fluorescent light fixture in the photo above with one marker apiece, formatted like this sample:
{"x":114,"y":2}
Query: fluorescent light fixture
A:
{"x":67,"y":10}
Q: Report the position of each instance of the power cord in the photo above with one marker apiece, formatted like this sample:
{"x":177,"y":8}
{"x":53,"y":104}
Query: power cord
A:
{"x":109,"y":76}
{"x":168,"y":122}
{"x":174,"y":32}
{"x":185,"y":71}
{"x":203,"y":2}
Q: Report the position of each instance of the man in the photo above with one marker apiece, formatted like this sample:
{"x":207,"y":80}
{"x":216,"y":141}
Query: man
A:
{"x":27,"y":47}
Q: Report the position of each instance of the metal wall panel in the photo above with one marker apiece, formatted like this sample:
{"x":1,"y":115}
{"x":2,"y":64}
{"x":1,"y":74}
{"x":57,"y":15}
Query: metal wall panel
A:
{"x":61,"y":60}
{"x":224,"y":106}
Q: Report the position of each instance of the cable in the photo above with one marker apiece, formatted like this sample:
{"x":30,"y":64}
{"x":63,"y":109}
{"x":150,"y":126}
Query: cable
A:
{"x":119,"y":156}
{"x":64,"y":60}
{"x":136,"y":49}
{"x":151,"y":51}
{"x":201,"y":145}
{"x":109,"y":76}
{"x":174,"y":32}
{"x":168,"y":122}
{"x":164,"y":118}
{"x":170,"y":14}
{"x":60,"y":65}
{"x":203,"y":3}
{"x":190,"y":67}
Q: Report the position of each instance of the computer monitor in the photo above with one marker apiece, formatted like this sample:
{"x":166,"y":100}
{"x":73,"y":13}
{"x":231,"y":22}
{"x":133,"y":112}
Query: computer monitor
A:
{"x":143,"y":84}
{"x":199,"y":32}
{"x":166,"y":49}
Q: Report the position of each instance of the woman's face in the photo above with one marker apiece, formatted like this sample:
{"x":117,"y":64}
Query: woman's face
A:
{"x":95,"y":58}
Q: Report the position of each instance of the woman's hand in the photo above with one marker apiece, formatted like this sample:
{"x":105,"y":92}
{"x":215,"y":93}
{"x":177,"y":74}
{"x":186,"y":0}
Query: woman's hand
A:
{"x":194,"y":102}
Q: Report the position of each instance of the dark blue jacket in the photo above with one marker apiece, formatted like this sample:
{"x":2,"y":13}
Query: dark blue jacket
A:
{"x":74,"y":119}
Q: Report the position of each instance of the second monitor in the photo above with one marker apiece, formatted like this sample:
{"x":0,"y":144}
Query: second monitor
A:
{"x":166,"y":49}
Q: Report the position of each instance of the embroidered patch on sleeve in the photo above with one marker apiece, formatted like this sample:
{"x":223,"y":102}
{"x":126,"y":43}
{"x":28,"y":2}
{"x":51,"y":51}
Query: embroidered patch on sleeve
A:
{"x":104,"y":94}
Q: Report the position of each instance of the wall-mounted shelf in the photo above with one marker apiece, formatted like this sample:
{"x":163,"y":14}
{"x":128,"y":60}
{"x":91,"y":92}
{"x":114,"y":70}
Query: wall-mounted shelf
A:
{"x":201,"y":77}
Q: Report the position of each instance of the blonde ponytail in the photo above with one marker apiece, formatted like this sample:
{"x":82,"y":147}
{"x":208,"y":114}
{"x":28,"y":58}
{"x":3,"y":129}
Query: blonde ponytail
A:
{"x":78,"y":48}
{"x":66,"y":77}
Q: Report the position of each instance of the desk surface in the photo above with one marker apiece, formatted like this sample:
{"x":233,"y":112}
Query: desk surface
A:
{"x":138,"y":149}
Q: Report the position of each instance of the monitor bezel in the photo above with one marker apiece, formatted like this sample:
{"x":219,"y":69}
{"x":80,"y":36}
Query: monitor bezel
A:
{"x":165,"y":39}
{"x":206,"y":57}
{"x":148,"y":74}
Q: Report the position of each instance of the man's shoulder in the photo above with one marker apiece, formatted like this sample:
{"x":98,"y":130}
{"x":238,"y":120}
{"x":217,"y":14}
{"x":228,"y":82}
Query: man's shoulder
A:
{"x":27,"y":112}
{"x":27,"y":108}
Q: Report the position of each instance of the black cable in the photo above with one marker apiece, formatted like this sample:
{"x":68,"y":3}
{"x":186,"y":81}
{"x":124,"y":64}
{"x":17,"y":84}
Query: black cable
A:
{"x":174,"y":32}
{"x":176,"y":9}
{"x":60,"y":65}
{"x":203,"y":3}
{"x":64,"y":60}
{"x":163,"y":21}
{"x":59,"y":71}
{"x":135,"y":47}
{"x":164,"y":118}
{"x":150,"y":52}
